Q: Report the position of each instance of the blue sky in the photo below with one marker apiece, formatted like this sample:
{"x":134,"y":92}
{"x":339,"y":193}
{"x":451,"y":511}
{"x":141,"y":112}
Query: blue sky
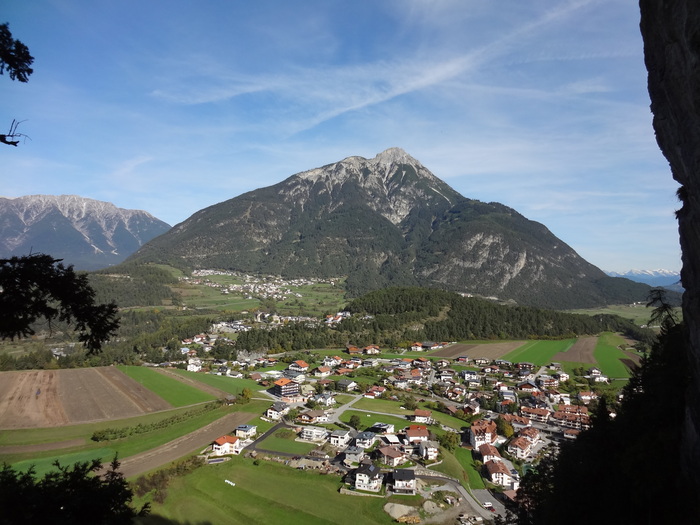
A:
{"x":171,"y":106}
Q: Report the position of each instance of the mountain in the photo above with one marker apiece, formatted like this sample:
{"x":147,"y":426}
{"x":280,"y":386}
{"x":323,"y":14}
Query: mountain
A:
{"x":388,"y":221}
{"x":87,"y":233}
{"x":665,"y":278}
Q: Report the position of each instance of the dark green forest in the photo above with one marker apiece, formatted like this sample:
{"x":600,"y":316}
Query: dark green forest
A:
{"x":398,"y":315}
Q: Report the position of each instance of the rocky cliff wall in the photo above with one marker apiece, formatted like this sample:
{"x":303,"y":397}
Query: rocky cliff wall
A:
{"x":671,"y":33}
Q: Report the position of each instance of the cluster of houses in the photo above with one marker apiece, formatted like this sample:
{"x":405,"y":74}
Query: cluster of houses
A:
{"x":254,"y":287}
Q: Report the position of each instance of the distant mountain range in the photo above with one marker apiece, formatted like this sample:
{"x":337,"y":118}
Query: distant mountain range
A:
{"x":388,"y":221}
{"x":87,"y":233}
{"x":664,"y":278}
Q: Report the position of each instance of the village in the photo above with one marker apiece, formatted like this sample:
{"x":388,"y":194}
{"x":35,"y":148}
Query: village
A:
{"x":507,"y":414}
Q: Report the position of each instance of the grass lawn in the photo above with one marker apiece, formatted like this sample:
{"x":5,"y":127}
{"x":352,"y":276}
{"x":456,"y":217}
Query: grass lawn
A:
{"x":464,"y":456}
{"x":290,"y":446}
{"x":370,"y":419}
{"x":341,"y":399}
{"x":381,"y":405}
{"x":227,"y":384}
{"x":264,"y":494}
{"x":539,"y":352}
{"x":172,"y":390}
{"x":608,"y":355}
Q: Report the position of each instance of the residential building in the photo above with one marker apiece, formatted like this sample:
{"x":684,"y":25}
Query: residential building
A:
{"x":391,"y":456}
{"x":312,"y":416}
{"x":404,"y":481}
{"x":299,"y":366}
{"x":368,"y":477}
{"x":313,"y":433}
{"x":541,"y":415}
{"x":277,"y":411}
{"x":246,"y":431}
{"x":353,"y":456}
{"x":482,"y":431}
{"x":498,"y":473}
{"x":347,"y":385}
{"x":422,"y":416}
{"x":520,"y":447}
{"x":341,"y":438}
{"x":365,"y":439}
{"x":226,"y":445}
{"x":489,"y":452}
{"x":429,"y":450}
{"x":416,"y":433}
{"x":285,"y":387}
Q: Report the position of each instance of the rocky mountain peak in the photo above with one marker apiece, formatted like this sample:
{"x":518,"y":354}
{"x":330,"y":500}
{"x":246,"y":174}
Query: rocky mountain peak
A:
{"x":395,"y":156}
{"x":85,"y":232}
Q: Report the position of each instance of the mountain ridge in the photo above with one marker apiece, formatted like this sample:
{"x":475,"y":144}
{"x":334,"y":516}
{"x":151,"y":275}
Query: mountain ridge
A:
{"x":388,"y":221}
{"x":87,"y":233}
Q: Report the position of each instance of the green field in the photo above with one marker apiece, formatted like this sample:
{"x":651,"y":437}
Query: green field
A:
{"x":608,"y":356}
{"x":288,"y":446}
{"x":125,"y":447}
{"x":539,"y":352}
{"x":265,"y":493}
{"x":173,"y":391}
{"x":639,"y":314}
{"x":370,"y":419}
{"x":227,"y":384}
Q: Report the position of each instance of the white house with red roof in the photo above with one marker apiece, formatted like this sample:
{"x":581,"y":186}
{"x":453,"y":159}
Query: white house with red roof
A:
{"x":299,"y":366}
{"x":226,"y":445}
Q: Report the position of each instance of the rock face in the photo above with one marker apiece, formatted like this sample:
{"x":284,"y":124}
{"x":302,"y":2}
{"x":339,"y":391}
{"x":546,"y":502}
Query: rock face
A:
{"x":87,"y":233}
{"x":671,"y":32}
{"x":389,"y":221}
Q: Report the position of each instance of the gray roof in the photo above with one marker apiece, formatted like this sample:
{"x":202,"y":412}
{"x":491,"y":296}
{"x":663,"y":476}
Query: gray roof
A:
{"x":404,"y":474}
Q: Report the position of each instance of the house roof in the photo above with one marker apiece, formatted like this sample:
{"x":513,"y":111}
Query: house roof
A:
{"x":404,"y":474}
{"x":489,"y":450}
{"x":390,"y":452}
{"x":496,"y":467}
{"x":283,"y":381}
{"x":422,"y":413}
{"x":301,"y":364}
{"x":225,"y":439}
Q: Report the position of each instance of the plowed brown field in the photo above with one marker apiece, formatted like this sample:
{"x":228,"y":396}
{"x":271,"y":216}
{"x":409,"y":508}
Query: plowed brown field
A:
{"x":488,"y":350}
{"x":48,"y":398}
{"x":580,"y":352}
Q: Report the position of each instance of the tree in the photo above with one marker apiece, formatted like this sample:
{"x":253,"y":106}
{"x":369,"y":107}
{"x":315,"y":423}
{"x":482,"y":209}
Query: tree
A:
{"x":67,"y":495}
{"x":355,"y":421}
{"x":450,"y":440}
{"x":504,"y":428}
{"x":14,"y":56}
{"x":37,"y":286}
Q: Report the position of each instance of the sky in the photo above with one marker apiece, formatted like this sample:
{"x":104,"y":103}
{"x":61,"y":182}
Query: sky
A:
{"x":171,"y":106}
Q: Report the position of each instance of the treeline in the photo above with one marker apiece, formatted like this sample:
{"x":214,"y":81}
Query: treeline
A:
{"x":130,"y":284}
{"x":141,"y":335}
{"x":109,"y":434}
{"x":157,"y":483}
{"x":395,"y":316}
{"x":474,"y":318}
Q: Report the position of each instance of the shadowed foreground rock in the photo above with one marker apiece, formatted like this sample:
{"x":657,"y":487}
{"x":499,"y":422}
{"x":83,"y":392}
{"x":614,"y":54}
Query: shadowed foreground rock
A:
{"x":671,"y":32}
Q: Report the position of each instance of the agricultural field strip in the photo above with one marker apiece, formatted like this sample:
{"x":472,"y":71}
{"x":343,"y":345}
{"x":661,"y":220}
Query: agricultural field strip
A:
{"x":46,"y":398}
{"x":204,"y":387}
{"x":171,"y":388}
{"x":539,"y":352}
{"x":486,"y":350}
{"x":177,"y":448}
